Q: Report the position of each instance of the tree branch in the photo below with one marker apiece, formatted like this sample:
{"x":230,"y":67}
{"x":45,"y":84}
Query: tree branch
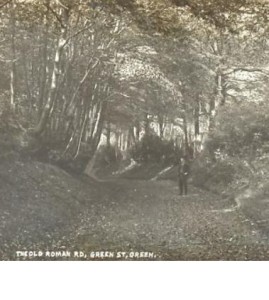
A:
{"x":5,"y":3}
{"x":62,"y":5}
{"x":55,"y":14}
{"x":75,"y":34}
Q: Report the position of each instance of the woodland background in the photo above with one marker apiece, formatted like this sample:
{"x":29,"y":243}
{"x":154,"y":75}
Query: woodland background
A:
{"x":116,"y":87}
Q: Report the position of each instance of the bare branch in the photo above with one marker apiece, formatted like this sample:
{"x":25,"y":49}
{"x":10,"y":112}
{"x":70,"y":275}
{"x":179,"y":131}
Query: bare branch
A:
{"x":62,"y":5}
{"x":5,"y":3}
{"x":56,"y":15}
{"x":75,"y":34}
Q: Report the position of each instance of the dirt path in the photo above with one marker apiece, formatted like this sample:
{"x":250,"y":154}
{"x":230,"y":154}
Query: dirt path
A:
{"x":151,"y":216}
{"x":44,"y":208}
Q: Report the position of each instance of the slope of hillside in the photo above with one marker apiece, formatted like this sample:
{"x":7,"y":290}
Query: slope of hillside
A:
{"x":40,"y":204}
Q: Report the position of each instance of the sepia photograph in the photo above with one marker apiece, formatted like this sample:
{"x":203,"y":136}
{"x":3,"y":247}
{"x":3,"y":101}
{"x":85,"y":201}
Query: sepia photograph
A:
{"x":134,"y":130}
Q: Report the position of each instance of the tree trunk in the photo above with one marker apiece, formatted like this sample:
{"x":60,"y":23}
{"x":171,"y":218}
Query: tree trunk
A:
{"x":161,"y":125}
{"x":96,"y":138}
{"x":216,"y":101}
{"x":137,"y":135}
{"x":197,"y":117}
{"x":146,"y":124}
{"x":28,"y":89}
{"x":220,"y":87}
{"x":185,"y":126}
{"x":46,"y":112}
{"x":131,"y":137}
{"x":108,"y":134}
{"x":186,"y":139}
{"x":13,"y":56}
{"x":44,"y":67}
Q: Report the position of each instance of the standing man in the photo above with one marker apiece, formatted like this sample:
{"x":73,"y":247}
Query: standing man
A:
{"x":183,"y":174}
